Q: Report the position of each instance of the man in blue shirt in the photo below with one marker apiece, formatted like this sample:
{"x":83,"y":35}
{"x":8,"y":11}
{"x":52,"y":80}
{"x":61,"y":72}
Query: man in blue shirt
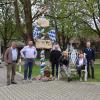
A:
{"x":90,"y":56}
{"x":29,"y":53}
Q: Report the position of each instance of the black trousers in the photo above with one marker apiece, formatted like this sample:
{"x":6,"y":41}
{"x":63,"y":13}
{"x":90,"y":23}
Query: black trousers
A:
{"x":79,"y":70}
{"x":53,"y":69}
{"x":90,"y":64}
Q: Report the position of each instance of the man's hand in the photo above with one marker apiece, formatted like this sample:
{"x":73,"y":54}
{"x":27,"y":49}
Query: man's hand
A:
{"x":92,"y":61}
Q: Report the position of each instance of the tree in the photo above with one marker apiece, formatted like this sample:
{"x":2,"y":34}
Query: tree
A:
{"x":7,"y":24}
{"x":89,"y":12}
{"x":24,"y":12}
{"x":61,"y":17}
{"x":74,"y":18}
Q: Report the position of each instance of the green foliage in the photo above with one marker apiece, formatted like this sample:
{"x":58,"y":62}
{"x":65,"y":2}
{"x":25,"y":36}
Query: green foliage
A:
{"x":72,"y":18}
{"x":75,"y":16}
{"x":7,"y":23}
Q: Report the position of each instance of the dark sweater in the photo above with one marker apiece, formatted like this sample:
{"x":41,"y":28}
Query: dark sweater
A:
{"x":64,"y":61}
{"x":54,"y":56}
{"x":90,"y":54}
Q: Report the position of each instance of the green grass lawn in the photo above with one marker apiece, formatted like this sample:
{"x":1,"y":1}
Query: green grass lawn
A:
{"x":97,"y":61}
{"x":39,"y":59}
{"x":97,"y":74}
{"x":36,"y":70}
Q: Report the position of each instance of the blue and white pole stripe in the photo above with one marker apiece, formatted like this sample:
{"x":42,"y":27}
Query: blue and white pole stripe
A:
{"x":52,"y":35}
{"x":36,"y":33}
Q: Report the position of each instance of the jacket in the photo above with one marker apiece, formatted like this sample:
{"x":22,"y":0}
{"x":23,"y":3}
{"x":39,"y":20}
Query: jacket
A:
{"x":8,"y":55}
{"x":90,"y":54}
{"x":54,"y":56}
{"x":84,"y":62}
{"x":64,"y":61}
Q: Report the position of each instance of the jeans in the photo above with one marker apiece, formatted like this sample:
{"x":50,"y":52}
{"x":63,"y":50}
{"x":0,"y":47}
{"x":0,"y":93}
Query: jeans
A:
{"x":79,"y":70}
{"x":66,"y":70}
{"x":28,"y":68}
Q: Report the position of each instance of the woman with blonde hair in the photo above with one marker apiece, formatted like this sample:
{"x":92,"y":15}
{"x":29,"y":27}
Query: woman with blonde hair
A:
{"x":64,"y":63}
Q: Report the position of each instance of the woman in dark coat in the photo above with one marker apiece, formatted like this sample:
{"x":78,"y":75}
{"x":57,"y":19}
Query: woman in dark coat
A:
{"x":54,"y":59}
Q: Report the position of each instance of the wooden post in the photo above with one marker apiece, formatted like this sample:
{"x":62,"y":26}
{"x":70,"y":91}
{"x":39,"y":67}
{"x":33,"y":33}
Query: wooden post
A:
{"x":20,"y":61}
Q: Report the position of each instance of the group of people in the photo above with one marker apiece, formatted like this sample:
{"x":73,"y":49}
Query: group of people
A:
{"x":85,"y":59}
{"x":28,"y":53}
{"x":57,"y":58}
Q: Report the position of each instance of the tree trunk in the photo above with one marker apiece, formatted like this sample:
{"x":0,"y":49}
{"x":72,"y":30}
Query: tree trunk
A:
{"x":63,"y":38}
{"x":5,"y":43}
{"x":82,"y":43}
{"x":17,"y":17}
{"x":67,"y":40}
{"x":97,"y":27}
{"x":28,"y":19}
{"x":19,"y":28}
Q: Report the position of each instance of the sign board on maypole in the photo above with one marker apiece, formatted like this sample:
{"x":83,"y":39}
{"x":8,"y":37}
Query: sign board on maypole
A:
{"x":46,"y":44}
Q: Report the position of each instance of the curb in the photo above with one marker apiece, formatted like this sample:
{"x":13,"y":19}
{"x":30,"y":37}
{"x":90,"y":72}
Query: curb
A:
{"x":18,"y":73}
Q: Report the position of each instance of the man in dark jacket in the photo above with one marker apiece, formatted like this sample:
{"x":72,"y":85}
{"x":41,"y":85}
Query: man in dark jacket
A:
{"x":54,"y":59}
{"x":90,"y":56}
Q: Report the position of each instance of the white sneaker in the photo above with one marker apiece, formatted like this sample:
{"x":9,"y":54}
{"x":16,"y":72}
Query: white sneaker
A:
{"x":56,"y":79}
{"x":24,"y":81}
{"x":80,"y":79}
{"x":29,"y":80}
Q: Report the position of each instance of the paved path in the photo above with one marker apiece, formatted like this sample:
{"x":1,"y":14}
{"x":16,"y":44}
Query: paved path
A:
{"x":53,"y":90}
{"x":3,"y":76}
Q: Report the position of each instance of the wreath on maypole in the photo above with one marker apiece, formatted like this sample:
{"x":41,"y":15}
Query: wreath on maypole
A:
{"x":42,"y":35}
